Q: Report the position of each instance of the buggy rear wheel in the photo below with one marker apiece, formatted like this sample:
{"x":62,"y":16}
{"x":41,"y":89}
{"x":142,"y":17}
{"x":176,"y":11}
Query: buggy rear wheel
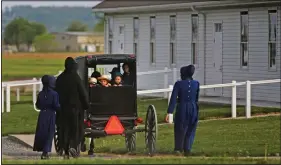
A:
{"x":130,"y":141}
{"x":151,"y":130}
{"x":58,"y":149}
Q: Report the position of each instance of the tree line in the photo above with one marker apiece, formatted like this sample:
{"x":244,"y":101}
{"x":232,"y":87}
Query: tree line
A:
{"x":55,"y":18}
{"x":21,"y":31}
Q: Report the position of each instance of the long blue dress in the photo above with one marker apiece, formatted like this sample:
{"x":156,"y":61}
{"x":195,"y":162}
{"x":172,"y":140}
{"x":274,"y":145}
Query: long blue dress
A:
{"x":185,"y":95}
{"x":48,"y":103}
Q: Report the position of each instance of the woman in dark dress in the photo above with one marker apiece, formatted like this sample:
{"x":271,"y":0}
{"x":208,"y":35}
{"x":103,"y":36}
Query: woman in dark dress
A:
{"x":48,"y":103}
{"x":185,"y":98}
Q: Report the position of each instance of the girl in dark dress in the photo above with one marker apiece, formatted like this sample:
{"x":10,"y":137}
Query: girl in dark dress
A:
{"x":185,"y":98}
{"x":48,"y":103}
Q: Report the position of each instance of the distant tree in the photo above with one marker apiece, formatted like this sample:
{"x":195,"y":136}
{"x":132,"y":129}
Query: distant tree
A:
{"x":39,"y":28}
{"x":77,"y":26}
{"x":29,"y":35}
{"x":45,"y":43}
{"x":99,"y":27}
{"x":21,"y":31}
{"x":15,"y":32}
{"x":32,"y":30}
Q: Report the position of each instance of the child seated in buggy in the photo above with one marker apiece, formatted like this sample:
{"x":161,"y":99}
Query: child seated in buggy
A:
{"x":93,"y":82}
{"x":117,"y":79}
{"x":104,"y":81}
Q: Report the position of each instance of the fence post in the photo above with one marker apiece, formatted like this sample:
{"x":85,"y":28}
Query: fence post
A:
{"x":175,"y":75}
{"x":166,"y":81}
{"x":40,"y":85}
{"x":170,"y":93}
{"x":3,"y":95}
{"x":8,"y":98}
{"x":233,"y":102}
{"x":18,"y":94}
{"x":34,"y":91}
{"x":248,"y":99}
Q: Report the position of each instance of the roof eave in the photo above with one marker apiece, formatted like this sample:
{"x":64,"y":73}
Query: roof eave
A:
{"x":178,"y":6}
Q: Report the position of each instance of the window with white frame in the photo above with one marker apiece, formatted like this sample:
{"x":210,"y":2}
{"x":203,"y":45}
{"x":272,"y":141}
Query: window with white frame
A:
{"x":194,"y":39}
{"x":172,"y":39}
{"x":152,"y":39}
{"x":110,"y":34}
{"x":244,"y":21}
{"x":136,"y":37}
{"x":272,"y":37}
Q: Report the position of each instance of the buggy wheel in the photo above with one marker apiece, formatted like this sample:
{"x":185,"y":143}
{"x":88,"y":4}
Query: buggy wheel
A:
{"x":58,"y":149}
{"x":151,"y":130}
{"x":130,"y":141}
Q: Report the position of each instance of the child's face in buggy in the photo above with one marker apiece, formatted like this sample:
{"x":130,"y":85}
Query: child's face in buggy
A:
{"x":118,"y":79}
{"x":103,"y":82}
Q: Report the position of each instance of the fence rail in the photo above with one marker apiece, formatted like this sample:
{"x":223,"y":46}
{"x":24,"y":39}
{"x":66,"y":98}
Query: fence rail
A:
{"x":167,"y":89}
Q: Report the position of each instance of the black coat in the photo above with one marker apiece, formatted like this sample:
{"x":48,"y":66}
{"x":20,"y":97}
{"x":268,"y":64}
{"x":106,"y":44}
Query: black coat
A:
{"x":73,"y":101}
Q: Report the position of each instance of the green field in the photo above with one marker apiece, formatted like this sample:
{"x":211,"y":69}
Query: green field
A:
{"x":24,"y":68}
{"x":218,"y":139}
{"x":147,"y":160}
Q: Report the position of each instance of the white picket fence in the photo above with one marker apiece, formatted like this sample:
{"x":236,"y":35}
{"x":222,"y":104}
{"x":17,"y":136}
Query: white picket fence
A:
{"x":167,"y":89}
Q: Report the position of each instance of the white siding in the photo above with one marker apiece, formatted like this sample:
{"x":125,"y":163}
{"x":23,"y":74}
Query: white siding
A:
{"x":258,"y":49}
{"x":258,"y":53}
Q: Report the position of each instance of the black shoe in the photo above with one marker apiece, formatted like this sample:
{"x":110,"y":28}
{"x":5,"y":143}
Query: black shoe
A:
{"x":44,"y":156}
{"x":73,"y":152}
{"x":90,"y":152}
{"x":187,"y":153}
{"x":60,"y":152}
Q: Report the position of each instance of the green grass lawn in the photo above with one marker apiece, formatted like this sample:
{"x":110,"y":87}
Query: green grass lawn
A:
{"x":13,"y":68}
{"x":165,"y":160}
{"x":241,"y":137}
{"x":23,"y":118}
{"x":222,"y":141}
{"x":215,"y":138}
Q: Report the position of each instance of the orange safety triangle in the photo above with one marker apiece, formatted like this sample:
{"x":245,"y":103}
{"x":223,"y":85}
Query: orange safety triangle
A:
{"x":114,"y":126}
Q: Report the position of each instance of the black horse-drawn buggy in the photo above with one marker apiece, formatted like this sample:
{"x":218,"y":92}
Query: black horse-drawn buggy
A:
{"x":113,"y":110}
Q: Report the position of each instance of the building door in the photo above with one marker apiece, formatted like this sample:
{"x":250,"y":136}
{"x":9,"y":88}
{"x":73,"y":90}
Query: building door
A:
{"x":121,"y":39}
{"x":217,"y":57}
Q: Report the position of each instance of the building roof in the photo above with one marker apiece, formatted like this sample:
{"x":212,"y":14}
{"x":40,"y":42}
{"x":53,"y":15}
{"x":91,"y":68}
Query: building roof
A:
{"x":123,"y":6}
{"x":80,"y":33}
{"x":133,"y":3}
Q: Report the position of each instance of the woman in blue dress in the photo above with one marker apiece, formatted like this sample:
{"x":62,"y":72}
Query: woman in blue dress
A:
{"x":48,"y":103}
{"x":185,"y":95}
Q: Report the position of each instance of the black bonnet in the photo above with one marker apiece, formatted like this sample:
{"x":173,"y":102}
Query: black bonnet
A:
{"x":45,"y":80}
{"x":70,"y":64}
{"x":187,"y":71}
